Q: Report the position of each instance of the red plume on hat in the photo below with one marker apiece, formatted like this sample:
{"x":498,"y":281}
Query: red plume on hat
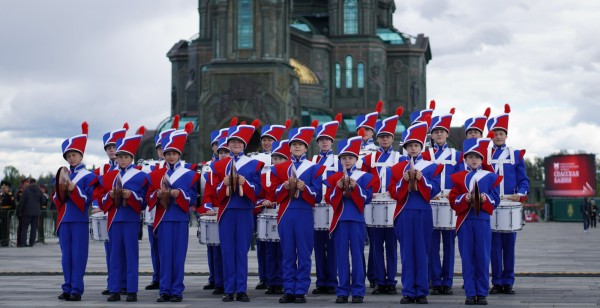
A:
{"x":379,"y":106}
{"x":126,"y":126}
{"x":175,"y":122}
{"x":141,"y":130}
{"x":255,"y":123}
{"x":233,"y":122}
{"x":399,"y":111}
{"x":189,"y":127}
{"x":314,"y":123}
{"x":287,"y":124}
{"x":487,"y":112}
{"x":84,"y":128}
{"x":338,"y":117}
{"x":432,"y":105}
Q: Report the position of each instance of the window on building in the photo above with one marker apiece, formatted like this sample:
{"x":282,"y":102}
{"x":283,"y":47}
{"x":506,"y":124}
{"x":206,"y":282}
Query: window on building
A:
{"x":245,"y":24}
{"x":338,"y":76}
{"x":360,"y":75}
{"x":348,"y":72}
{"x":350,"y":16}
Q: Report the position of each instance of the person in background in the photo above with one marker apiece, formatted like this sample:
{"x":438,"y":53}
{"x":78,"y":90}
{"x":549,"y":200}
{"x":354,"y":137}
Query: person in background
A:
{"x":30,"y":209}
{"x":7,"y":206}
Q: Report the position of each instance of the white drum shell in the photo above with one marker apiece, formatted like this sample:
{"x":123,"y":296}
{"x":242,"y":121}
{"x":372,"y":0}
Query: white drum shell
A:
{"x":267,"y":228}
{"x":507,"y":217}
{"x":444,"y":217}
{"x":323,"y":216}
{"x":99,"y":227}
{"x":380,"y":212}
{"x":149,"y":216}
{"x":208,"y":231}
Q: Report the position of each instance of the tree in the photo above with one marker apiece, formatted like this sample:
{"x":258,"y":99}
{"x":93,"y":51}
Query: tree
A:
{"x":13,"y":176}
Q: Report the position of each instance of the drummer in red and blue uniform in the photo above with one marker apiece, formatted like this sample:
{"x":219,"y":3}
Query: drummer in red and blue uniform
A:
{"x":441,"y":274}
{"x":177,"y":185}
{"x":378,"y":164}
{"x":110,"y":140}
{"x":508,"y":163}
{"x":473,"y":223}
{"x":414,"y":182}
{"x":324,"y":245}
{"x":348,"y":223}
{"x":235,"y":212}
{"x":72,"y":222}
{"x":124,"y":216}
{"x":266,"y":199}
{"x":295,"y":216}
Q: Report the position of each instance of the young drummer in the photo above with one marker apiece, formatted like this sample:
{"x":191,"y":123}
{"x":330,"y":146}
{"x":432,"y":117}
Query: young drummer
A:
{"x":72,"y":225}
{"x":324,"y":244}
{"x":378,"y":164}
{"x":473,"y":223}
{"x":295,"y":216}
{"x":414,"y":182}
{"x":508,"y":163}
{"x":173,"y":191}
{"x":124,"y":206}
{"x":348,"y":192}
{"x":441,"y":274}
{"x":236,"y":198}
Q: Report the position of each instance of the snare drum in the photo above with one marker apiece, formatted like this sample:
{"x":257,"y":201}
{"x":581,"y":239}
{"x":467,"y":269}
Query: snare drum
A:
{"x":267,"y":227}
{"x":444,"y":217}
{"x":323,"y":215}
{"x":208,"y":230}
{"x":149,"y":216}
{"x":507,"y":217}
{"x":380,"y":212}
{"x":99,"y":227}
{"x":203,"y":170}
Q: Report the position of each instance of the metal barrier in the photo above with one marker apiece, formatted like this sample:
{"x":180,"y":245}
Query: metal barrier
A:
{"x":9,"y":224}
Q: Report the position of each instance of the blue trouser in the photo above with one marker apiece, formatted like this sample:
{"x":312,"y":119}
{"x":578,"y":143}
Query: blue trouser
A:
{"x":210,"y":258}
{"x":384,"y":237}
{"x":235,"y":234}
{"x":441,"y":273}
{"x":153,"y":239}
{"x":172,"y":250}
{"x":74,"y":244}
{"x":216,"y":268}
{"x":124,"y":257}
{"x":370,"y":272}
{"x":474,"y":244}
{"x":297,"y":240}
{"x":325,"y":260}
{"x":261,"y":255}
{"x":413,"y":229}
{"x":274,"y":270}
{"x":350,"y":236}
{"x":503,"y":258}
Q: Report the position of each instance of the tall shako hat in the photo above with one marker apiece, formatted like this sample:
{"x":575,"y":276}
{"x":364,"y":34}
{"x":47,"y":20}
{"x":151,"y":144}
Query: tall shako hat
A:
{"x":417,"y":132}
{"x":111,"y":138}
{"x":76,"y":143}
{"x":242,"y":132}
{"x":215,"y":135}
{"x":387,"y":126}
{"x":275,"y":131}
{"x":368,"y":120}
{"x":423,"y":115}
{"x":499,"y":122}
{"x":328,"y":129}
{"x":129,"y":145}
{"x":477,"y":123}
{"x":175,"y":141}
{"x":351,"y":146}
{"x":159,"y":137}
{"x":303,"y":134}
{"x":477,"y":146}
{"x":442,"y":121}
{"x":281,"y":148}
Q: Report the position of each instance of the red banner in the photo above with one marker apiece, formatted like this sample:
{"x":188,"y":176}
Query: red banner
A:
{"x":570,"y":175}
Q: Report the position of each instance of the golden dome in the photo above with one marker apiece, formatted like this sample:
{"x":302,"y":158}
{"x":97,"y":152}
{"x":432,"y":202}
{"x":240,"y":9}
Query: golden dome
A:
{"x":305,"y":74}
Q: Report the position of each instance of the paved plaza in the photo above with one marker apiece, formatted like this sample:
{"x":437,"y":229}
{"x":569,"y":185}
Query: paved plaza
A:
{"x":558,"y":265}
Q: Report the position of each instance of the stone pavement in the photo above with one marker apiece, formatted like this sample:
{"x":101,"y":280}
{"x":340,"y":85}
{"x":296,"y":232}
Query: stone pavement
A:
{"x":557,"y":266}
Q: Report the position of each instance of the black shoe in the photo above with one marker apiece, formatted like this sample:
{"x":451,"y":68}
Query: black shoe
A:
{"x":391,"y":290}
{"x":300,"y":299}
{"x":481,"y":300}
{"x":270,"y":290}
{"x":114,"y":297}
{"x":131,"y":297}
{"x":164,"y":298}
{"x":371,"y":284}
{"x":287,"y":298}
{"x":341,"y":299}
{"x":218,"y":291}
{"x":227,"y":297}
{"x":261,"y":285}
{"x":508,"y":289}
{"x":421,"y":300}
{"x":407,"y":300}
{"x":437,"y":290}
{"x":379,"y":290}
{"x":357,"y":299}
{"x":123,"y":291}
{"x":64,"y":296}
{"x":176,"y":299}
{"x":320,"y":290}
{"x":74,"y":297}
{"x":331,"y":290}
{"x":496,"y":289}
{"x":446,"y":290}
{"x":242,"y":297}
{"x":278,"y":290}
{"x":152,"y":286}
{"x":471,"y":300}
{"x":105,"y":292}
{"x":208,"y":286}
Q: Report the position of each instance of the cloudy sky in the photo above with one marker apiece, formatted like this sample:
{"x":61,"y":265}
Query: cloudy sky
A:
{"x":65,"y":61}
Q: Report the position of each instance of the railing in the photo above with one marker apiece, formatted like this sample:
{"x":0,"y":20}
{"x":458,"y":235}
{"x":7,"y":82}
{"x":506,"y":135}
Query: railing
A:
{"x":9,"y":224}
